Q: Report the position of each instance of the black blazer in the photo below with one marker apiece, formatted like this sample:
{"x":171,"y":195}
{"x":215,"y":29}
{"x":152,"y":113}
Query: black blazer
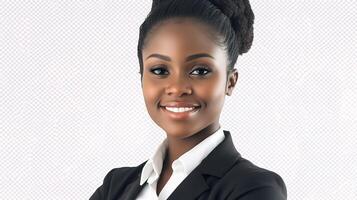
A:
{"x":223,"y":174}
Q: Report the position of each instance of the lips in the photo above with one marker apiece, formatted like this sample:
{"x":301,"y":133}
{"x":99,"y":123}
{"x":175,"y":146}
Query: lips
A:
{"x":180,"y":111}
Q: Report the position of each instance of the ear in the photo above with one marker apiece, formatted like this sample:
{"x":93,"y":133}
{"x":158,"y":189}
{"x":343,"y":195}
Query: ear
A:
{"x":231,"y":81}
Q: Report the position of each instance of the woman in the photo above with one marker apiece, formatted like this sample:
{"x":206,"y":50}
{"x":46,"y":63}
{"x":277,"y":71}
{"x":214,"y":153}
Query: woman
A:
{"x":187,"y":51}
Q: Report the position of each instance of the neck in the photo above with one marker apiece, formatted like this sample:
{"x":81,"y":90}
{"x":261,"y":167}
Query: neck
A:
{"x":178,"y":146}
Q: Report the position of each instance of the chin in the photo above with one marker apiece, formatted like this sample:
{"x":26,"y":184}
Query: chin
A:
{"x":179,"y":132}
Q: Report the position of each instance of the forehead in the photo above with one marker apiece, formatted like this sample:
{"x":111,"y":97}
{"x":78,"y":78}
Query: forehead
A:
{"x":181,"y":34}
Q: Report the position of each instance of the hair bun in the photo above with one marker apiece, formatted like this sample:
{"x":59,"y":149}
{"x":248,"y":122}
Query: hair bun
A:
{"x":155,"y":3}
{"x":241,"y":16}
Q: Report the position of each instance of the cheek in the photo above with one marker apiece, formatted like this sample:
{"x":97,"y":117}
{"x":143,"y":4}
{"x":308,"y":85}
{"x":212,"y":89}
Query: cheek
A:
{"x":211,"y":91}
{"x":150,"y":92}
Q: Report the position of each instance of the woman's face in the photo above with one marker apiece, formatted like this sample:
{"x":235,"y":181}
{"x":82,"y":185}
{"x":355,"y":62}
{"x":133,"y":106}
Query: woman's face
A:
{"x":184,"y":78}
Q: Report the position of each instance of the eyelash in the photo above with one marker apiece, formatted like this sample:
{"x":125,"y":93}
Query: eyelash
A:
{"x":198,"y":68}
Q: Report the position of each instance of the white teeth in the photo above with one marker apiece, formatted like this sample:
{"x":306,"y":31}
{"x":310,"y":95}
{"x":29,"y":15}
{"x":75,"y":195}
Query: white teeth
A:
{"x":179,"y":109}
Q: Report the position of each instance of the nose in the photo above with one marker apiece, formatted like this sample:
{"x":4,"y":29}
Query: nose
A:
{"x":178,"y":86}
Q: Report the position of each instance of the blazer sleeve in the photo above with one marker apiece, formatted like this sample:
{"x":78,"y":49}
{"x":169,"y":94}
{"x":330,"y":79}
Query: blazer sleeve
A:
{"x":266,"y":185}
{"x":102,"y":191}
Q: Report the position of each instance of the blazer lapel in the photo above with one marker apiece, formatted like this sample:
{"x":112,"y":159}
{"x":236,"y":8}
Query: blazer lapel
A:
{"x":132,"y":189}
{"x":217,"y":163}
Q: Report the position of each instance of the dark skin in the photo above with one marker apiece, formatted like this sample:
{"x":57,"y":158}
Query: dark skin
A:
{"x":171,"y":77}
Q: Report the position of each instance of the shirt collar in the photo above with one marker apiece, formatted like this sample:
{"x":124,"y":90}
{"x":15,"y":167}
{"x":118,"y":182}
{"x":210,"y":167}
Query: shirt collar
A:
{"x":185,"y":163}
{"x":153,"y":166}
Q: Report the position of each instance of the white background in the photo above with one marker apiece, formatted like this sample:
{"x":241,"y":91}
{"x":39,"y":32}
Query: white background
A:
{"x":71,"y":105}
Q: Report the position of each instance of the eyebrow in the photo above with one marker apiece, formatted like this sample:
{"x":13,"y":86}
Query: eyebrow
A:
{"x":191,"y":57}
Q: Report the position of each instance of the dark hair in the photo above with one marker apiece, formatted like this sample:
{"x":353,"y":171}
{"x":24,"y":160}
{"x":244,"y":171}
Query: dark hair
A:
{"x":231,"y":20}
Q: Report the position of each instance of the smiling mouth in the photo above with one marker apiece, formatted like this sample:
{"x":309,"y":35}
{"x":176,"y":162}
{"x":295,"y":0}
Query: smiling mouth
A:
{"x":180,"y":113}
{"x":180,"y":109}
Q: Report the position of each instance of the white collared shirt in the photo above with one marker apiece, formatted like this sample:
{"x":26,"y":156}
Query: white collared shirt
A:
{"x":181,"y":167}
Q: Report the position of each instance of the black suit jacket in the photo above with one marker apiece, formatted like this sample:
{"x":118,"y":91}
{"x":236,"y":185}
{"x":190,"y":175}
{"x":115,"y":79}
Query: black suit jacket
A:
{"x":223,"y":174}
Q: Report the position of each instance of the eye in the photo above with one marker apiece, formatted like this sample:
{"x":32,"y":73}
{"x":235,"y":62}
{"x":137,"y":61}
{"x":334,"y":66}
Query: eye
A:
{"x":204,"y":69}
{"x":158,"y":70}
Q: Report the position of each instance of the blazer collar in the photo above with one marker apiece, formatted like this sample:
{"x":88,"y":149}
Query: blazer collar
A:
{"x":217,"y":163}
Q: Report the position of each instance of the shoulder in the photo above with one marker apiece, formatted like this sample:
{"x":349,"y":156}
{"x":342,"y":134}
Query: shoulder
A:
{"x":116,"y":180}
{"x":123,"y":174}
{"x":249,"y":181}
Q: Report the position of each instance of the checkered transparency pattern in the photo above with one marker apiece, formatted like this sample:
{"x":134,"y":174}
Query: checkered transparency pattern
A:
{"x":71,"y":105}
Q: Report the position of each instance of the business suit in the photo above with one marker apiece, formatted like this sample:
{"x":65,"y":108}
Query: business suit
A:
{"x":223,"y":174}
